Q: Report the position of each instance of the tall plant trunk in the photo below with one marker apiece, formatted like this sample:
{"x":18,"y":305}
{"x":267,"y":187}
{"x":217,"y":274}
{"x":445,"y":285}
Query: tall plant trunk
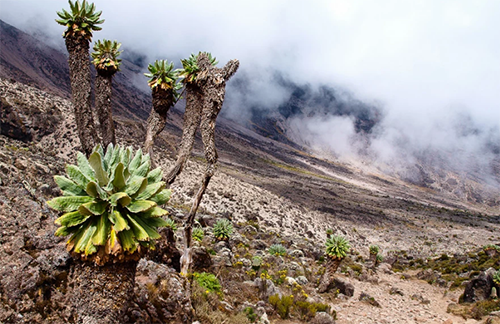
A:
{"x":212,"y":83}
{"x":331,"y":267}
{"x":162,"y":101}
{"x":101,"y":294}
{"x":79,"y":74}
{"x":103,"y":92}
{"x":192,"y":117}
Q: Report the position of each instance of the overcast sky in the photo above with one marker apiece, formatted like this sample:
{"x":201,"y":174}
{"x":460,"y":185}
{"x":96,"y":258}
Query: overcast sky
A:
{"x":422,"y":61}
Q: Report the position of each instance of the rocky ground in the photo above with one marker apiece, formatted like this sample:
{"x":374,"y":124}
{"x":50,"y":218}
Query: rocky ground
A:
{"x":273,"y":194}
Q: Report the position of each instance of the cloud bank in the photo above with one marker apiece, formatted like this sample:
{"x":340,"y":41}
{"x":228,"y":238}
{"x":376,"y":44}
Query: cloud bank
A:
{"x":433,"y":66}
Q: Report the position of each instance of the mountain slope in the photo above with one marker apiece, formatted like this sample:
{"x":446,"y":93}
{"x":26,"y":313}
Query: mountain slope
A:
{"x":27,"y":60}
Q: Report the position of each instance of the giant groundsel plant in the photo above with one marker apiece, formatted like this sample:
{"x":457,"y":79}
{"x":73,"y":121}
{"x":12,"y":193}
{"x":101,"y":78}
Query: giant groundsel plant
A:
{"x":111,"y":204}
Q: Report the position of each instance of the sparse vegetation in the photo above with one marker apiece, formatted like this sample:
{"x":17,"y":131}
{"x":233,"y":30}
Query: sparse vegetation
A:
{"x":223,"y":229}
{"x":198,"y":234}
{"x":277,"y":249}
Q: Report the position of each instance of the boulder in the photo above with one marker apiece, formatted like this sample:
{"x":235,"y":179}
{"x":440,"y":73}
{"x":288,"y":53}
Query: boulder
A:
{"x":322,"y":318}
{"x":479,"y":288}
{"x":344,"y":286}
{"x":267,"y":288}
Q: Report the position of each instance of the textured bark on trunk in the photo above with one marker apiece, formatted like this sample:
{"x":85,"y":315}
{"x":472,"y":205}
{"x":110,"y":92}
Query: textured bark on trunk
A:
{"x":212,"y":84}
{"x":162,"y":101}
{"x":101,"y":294}
{"x":192,"y":117}
{"x":331,"y":267}
{"x":103,"y":92}
{"x":79,"y":74}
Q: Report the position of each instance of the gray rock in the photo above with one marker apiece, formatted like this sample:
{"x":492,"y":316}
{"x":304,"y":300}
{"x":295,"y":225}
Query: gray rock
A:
{"x":344,"y":286}
{"x":220,"y":245}
{"x":322,"y":318}
{"x":297,"y":254}
{"x":301,"y":280}
{"x":479,"y":288}
{"x":368,"y":299}
{"x":267,"y":288}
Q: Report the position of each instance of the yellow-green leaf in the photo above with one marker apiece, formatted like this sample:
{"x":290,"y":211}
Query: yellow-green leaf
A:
{"x":120,"y":198}
{"x":162,"y":197}
{"x":68,"y":187}
{"x":93,"y":208}
{"x":102,"y":231}
{"x":71,"y":219}
{"x":139,"y":206}
{"x":95,"y":162}
{"x":119,"y":222}
{"x":68,"y":203}
{"x":154,"y":212}
{"x":151,"y":190}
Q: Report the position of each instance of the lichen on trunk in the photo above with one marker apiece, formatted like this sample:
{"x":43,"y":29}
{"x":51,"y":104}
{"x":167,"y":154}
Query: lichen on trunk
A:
{"x":192,"y":117}
{"x":331,"y":267}
{"x":103,"y":92}
{"x":79,"y":73}
{"x":162,"y":101}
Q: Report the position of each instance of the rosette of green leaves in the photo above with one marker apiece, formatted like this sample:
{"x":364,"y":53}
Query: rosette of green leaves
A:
{"x":337,"y":247}
{"x":198,"y":234}
{"x":111,"y":200}
{"x":105,"y":56}
{"x":374,"y":249}
{"x":223,"y":229}
{"x":81,"y":20}
{"x":190,"y":67}
{"x":277,"y":249}
{"x":163,"y":76}
{"x":496,"y":278}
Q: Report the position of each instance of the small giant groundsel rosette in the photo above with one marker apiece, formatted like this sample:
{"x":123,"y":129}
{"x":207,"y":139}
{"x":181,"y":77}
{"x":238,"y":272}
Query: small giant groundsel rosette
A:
{"x":111,"y":204}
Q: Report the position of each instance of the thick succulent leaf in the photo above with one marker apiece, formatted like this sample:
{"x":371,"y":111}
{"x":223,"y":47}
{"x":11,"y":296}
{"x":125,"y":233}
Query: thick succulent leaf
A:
{"x":68,"y":203}
{"x":115,"y":157}
{"x":162,"y":197}
{"x":75,"y":174}
{"x":68,"y":187}
{"x":94,"y":190}
{"x":151,"y":190}
{"x":119,"y":222}
{"x":119,"y":198}
{"x":99,"y":150}
{"x":143,"y":169}
{"x":84,"y":166}
{"x":139,"y":232}
{"x":71,"y":219}
{"x":113,"y":241}
{"x":93,"y":208}
{"x":96,"y":164}
{"x":139,"y":206}
{"x":107,"y":157}
{"x":65,"y":231}
{"x":84,"y":242}
{"x":155,"y":175}
{"x":154,"y":212}
{"x":156,"y":222}
{"x":135,"y":186}
{"x":136,"y":162}
{"x":125,"y":156}
{"x":119,"y":177}
{"x":103,"y":228}
{"x":127,"y":239}
{"x":151,"y":233}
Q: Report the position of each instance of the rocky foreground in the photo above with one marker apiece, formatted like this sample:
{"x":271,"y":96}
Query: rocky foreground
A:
{"x":432,"y":252}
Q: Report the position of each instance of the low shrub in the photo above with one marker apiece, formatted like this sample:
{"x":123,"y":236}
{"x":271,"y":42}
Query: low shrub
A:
{"x":277,"y":249}
{"x":208,"y":281}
